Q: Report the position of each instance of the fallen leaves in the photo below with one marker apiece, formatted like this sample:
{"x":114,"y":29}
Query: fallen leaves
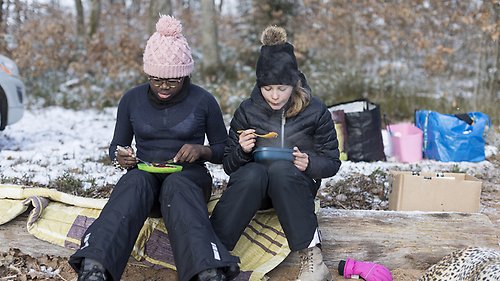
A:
{"x":14,"y":265}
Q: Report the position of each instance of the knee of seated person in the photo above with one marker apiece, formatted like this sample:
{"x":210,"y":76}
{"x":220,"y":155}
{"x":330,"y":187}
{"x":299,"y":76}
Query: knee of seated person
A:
{"x":251,"y":170}
{"x":281,"y":167}
{"x":139,"y":188}
{"x":135,"y":177}
{"x":176,"y":180}
{"x":175,"y":183}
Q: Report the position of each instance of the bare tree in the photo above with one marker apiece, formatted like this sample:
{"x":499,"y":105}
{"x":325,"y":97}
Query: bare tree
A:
{"x":211,"y":58}
{"x":165,"y":7}
{"x":132,"y":10}
{"x":80,"y":19}
{"x":17,"y":11}
{"x":95,"y":13}
{"x":494,"y":84}
{"x":135,"y":7}
{"x":220,"y":6}
{"x":157,"y":7}
{"x":2,"y":21}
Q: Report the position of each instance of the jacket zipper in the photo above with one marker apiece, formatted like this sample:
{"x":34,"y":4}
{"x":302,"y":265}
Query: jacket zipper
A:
{"x":283,"y":121}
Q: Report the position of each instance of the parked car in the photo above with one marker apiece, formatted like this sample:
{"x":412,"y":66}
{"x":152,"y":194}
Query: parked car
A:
{"x":12,"y":93}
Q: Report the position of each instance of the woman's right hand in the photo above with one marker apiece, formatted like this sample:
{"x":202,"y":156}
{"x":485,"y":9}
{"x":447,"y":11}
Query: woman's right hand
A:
{"x":126,"y":157}
{"x":247,"y":140}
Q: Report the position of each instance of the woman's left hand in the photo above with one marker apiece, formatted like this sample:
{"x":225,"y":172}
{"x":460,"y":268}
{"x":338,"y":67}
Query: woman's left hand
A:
{"x":301,"y":160}
{"x":190,"y":153}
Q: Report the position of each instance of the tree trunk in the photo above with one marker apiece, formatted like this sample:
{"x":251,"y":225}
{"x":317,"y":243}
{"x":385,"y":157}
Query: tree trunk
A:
{"x":2,"y":22}
{"x":6,"y":12}
{"x":134,"y":8}
{"x":132,"y":11}
{"x":95,"y":12}
{"x":478,"y":82}
{"x":220,"y":6}
{"x":80,"y":19}
{"x":495,"y":81}
{"x":211,"y":58}
{"x":165,"y":7}
{"x":152,"y":18}
{"x":157,"y":8}
{"x":17,"y":11}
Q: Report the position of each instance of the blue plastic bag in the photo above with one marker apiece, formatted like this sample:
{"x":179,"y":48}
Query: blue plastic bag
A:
{"x":453,"y":138}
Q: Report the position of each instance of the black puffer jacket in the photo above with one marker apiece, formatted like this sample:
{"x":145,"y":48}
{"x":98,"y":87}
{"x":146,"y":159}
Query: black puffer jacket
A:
{"x":312,"y":131}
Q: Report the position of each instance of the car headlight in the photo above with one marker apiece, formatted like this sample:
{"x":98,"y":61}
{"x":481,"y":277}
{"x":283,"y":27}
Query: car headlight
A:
{"x":8,"y":66}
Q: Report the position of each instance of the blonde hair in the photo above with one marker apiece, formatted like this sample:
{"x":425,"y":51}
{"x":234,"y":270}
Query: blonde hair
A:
{"x":300,"y":100}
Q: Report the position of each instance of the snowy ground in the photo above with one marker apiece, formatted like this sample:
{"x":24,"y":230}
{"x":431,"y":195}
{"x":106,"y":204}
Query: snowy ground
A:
{"x":54,"y":143}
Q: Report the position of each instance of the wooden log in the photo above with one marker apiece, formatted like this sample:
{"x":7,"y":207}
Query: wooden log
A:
{"x":14,"y":234}
{"x":398,"y":240}
{"x":413,"y":240}
{"x":405,"y":242}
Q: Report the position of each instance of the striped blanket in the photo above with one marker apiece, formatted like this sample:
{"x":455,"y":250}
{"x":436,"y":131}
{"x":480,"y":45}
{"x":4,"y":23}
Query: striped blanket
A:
{"x":62,"y":219}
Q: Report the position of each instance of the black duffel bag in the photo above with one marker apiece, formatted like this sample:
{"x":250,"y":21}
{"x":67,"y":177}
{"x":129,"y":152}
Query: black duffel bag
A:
{"x":364,"y":130}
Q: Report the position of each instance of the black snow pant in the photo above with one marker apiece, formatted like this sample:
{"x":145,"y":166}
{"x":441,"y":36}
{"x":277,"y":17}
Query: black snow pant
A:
{"x":256,"y":187}
{"x":182,"y":196}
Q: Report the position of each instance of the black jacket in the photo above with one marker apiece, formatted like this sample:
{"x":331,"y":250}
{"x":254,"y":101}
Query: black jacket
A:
{"x":312,"y":131}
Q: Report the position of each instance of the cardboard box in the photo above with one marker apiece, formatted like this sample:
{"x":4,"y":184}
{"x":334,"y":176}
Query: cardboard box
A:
{"x":438,"y":192}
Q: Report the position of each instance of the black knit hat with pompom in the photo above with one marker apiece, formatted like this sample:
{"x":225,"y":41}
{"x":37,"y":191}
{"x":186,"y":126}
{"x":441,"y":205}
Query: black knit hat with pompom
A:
{"x":277,"y":64}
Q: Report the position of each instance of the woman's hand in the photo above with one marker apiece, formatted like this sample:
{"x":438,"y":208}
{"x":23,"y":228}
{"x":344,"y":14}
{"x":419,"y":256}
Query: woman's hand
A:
{"x":125,"y":157}
{"x":247,"y":140}
{"x":301,"y":160}
{"x":192,"y":152}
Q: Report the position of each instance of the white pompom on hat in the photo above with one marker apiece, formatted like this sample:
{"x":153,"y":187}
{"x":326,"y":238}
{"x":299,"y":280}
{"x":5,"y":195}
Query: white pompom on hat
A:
{"x":167,"y":53}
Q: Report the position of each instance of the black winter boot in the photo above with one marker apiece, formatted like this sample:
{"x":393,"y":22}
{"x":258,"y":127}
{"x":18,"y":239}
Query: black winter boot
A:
{"x":212,"y":274}
{"x":92,"y":270}
{"x":231,"y":271}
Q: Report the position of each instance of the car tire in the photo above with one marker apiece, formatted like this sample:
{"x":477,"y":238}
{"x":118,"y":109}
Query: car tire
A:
{"x":3,"y":110}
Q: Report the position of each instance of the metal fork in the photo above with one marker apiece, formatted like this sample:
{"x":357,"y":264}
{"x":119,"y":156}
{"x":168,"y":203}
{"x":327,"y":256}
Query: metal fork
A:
{"x":119,"y":147}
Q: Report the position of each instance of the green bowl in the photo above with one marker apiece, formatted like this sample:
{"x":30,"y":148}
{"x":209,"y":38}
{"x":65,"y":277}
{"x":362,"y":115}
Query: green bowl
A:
{"x":167,"y":169}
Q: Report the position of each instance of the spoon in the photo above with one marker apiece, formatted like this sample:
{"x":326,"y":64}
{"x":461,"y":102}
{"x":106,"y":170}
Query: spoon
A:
{"x":269,"y":135}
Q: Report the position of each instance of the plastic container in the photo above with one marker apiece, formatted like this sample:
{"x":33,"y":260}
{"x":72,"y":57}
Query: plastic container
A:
{"x":406,"y":142}
{"x":270,"y":154}
{"x":386,"y":138}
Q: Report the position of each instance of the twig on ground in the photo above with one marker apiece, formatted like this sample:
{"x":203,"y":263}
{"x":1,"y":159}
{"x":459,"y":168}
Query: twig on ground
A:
{"x":12,"y":267}
{"x":8,"y":277}
{"x":59,"y":275}
{"x":340,"y":204}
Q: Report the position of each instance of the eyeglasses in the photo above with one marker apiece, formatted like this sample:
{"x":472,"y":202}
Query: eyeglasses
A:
{"x":171,"y":83}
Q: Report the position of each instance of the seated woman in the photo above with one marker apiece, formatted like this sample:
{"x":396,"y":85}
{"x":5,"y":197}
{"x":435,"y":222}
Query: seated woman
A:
{"x":280,"y":102}
{"x":169,"y":118}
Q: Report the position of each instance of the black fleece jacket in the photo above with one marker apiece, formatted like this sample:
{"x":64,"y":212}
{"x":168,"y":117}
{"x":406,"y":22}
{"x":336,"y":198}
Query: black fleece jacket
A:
{"x":312,"y":131}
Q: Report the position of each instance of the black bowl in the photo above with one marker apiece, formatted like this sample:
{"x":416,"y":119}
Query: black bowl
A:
{"x":270,"y":154}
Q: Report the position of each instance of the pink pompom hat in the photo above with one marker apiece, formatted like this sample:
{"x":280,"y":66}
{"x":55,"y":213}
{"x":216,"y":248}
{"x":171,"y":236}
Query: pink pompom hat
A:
{"x":167,"y":53}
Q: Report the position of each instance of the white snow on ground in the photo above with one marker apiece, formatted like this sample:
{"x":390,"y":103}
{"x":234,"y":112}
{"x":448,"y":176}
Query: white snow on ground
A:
{"x":51,"y":142}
